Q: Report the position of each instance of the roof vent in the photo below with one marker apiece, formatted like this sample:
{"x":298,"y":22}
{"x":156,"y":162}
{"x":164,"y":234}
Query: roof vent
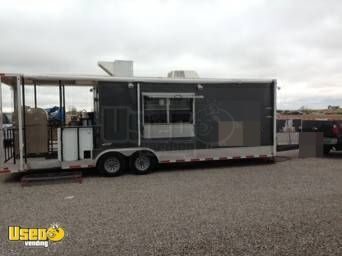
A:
{"x":183,"y":74}
{"x":120,"y":68}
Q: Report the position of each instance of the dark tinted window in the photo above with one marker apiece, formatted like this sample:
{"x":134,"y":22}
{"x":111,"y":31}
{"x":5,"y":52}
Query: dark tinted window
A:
{"x":181,"y":110}
{"x":155,"y":110}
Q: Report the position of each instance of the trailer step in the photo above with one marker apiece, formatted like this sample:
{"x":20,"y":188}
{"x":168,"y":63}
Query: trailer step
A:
{"x":27,"y":180}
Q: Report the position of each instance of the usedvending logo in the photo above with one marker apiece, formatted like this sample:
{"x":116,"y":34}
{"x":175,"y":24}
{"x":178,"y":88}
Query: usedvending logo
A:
{"x":36,"y":237}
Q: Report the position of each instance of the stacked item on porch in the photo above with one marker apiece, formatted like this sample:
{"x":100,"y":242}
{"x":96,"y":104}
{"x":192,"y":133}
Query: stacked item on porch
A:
{"x":36,"y":131}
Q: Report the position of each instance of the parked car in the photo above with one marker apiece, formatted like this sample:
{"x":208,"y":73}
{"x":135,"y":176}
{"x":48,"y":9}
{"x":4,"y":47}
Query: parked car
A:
{"x":332,"y":131}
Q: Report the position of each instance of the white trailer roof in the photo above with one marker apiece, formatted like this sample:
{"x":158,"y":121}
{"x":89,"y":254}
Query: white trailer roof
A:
{"x":88,"y":80}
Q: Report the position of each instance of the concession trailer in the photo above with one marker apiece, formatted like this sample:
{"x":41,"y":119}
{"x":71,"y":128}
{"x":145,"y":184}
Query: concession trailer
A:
{"x":140,"y":122}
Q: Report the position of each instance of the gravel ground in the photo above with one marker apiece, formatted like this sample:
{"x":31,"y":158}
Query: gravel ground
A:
{"x":293,"y":207}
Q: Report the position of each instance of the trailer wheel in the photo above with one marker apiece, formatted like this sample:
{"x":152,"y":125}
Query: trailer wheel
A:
{"x":142,"y":162}
{"x":112,"y":164}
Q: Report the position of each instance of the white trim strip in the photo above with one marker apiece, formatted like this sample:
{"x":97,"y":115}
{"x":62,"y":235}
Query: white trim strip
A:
{"x":223,"y":158}
{"x":81,"y":166}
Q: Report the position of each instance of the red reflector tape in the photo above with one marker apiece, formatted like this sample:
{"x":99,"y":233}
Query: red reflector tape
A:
{"x":74,"y":166}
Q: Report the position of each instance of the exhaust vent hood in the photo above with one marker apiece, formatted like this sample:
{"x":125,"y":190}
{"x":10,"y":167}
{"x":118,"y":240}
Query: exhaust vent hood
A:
{"x":119,"y":68}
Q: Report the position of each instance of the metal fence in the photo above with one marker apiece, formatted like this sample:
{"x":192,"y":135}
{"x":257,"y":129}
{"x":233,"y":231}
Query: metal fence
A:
{"x":9,"y":144}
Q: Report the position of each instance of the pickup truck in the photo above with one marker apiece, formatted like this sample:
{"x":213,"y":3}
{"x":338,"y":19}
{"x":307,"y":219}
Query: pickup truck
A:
{"x":332,"y":131}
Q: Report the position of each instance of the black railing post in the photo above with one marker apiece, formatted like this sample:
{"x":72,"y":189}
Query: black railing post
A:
{"x":5,"y":132}
{"x":13,"y":146}
{"x":35,"y":94}
{"x":63,"y":104}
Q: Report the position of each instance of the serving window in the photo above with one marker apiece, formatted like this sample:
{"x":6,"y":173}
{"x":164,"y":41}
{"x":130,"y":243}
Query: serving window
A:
{"x":167,"y":111}
{"x":167,"y":115}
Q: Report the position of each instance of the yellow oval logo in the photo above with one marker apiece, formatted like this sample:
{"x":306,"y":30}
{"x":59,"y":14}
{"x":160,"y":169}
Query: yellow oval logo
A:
{"x":55,"y":234}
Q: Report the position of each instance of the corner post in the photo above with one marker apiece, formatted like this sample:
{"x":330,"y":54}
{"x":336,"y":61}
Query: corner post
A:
{"x":275,"y":88}
{"x":60,"y":116}
{"x":24,"y":118}
{"x":2,"y":151}
{"x":20,"y":124}
{"x":35,"y":93}
{"x":139,"y":114}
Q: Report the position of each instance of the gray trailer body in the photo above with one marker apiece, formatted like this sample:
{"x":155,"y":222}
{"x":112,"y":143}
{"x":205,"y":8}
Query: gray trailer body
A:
{"x":221,"y":115}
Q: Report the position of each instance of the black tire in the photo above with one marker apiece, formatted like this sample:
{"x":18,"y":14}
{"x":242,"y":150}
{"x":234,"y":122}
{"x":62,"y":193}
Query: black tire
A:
{"x":326,"y":150}
{"x":112,"y":164}
{"x":142,"y":162}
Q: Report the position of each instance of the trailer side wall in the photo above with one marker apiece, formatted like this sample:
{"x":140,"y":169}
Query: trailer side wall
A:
{"x":226,"y":115}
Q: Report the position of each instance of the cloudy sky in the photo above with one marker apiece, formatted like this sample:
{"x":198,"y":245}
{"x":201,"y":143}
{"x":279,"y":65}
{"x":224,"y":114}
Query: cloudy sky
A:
{"x":297,"y":42}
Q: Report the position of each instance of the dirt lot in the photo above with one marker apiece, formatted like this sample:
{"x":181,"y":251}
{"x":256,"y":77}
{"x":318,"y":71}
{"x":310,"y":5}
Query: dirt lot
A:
{"x":293,"y":207}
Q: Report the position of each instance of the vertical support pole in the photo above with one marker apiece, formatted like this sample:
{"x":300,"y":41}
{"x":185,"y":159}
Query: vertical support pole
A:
{"x":13,"y":146}
{"x":2,"y":150}
{"x":60,"y":117}
{"x":194,"y":111}
{"x":301,"y":124}
{"x":78,"y":143}
{"x":24,"y":118}
{"x":167,"y":111}
{"x":20,"y":124}
{"x":139,"y":114}
{"x":60,"y":103}
{"x":275,"y":88}
{"x":63,"y":86}
{"x":35,"y":93}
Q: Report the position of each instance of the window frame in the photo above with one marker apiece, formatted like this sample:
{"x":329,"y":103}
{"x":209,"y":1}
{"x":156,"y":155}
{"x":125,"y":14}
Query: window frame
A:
{"x":177,"y":96}
{"x":168,"y":130}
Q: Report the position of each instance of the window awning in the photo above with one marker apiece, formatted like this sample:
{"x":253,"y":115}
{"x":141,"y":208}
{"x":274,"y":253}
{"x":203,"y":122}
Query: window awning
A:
{"x":172,"y":95}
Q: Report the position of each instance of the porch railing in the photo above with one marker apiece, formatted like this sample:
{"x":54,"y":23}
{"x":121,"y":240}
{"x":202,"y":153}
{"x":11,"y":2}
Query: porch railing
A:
{"x":9,"y":144}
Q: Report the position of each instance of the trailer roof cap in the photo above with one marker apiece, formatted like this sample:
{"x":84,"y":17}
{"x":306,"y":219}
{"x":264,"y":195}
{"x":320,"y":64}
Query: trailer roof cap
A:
{"x":183,"y":74}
